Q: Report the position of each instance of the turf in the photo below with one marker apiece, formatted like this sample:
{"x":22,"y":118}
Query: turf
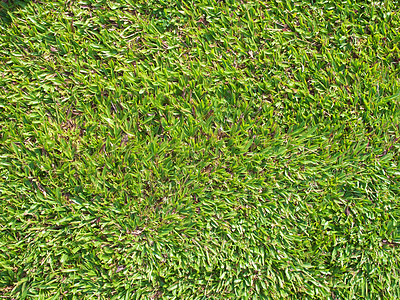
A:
{"x":199,"y":149}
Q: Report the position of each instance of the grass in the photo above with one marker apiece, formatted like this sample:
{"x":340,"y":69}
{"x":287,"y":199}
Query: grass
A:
{"x":199,"y":150}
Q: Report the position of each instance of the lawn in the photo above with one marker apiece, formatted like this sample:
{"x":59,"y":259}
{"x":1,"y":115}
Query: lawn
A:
{"x":199,"y":149}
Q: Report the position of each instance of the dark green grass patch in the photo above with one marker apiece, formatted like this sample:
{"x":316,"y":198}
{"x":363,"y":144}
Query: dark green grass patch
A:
{"x":195,"y":150}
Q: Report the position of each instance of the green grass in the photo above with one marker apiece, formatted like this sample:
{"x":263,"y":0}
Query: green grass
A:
{"x":200,"y":150}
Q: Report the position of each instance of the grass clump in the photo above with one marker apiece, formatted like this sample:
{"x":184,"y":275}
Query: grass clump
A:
{"x":203,"y":149}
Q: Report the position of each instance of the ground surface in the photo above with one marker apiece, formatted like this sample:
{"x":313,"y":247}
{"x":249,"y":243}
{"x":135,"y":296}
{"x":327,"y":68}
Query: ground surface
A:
{"x":205,"y":149}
